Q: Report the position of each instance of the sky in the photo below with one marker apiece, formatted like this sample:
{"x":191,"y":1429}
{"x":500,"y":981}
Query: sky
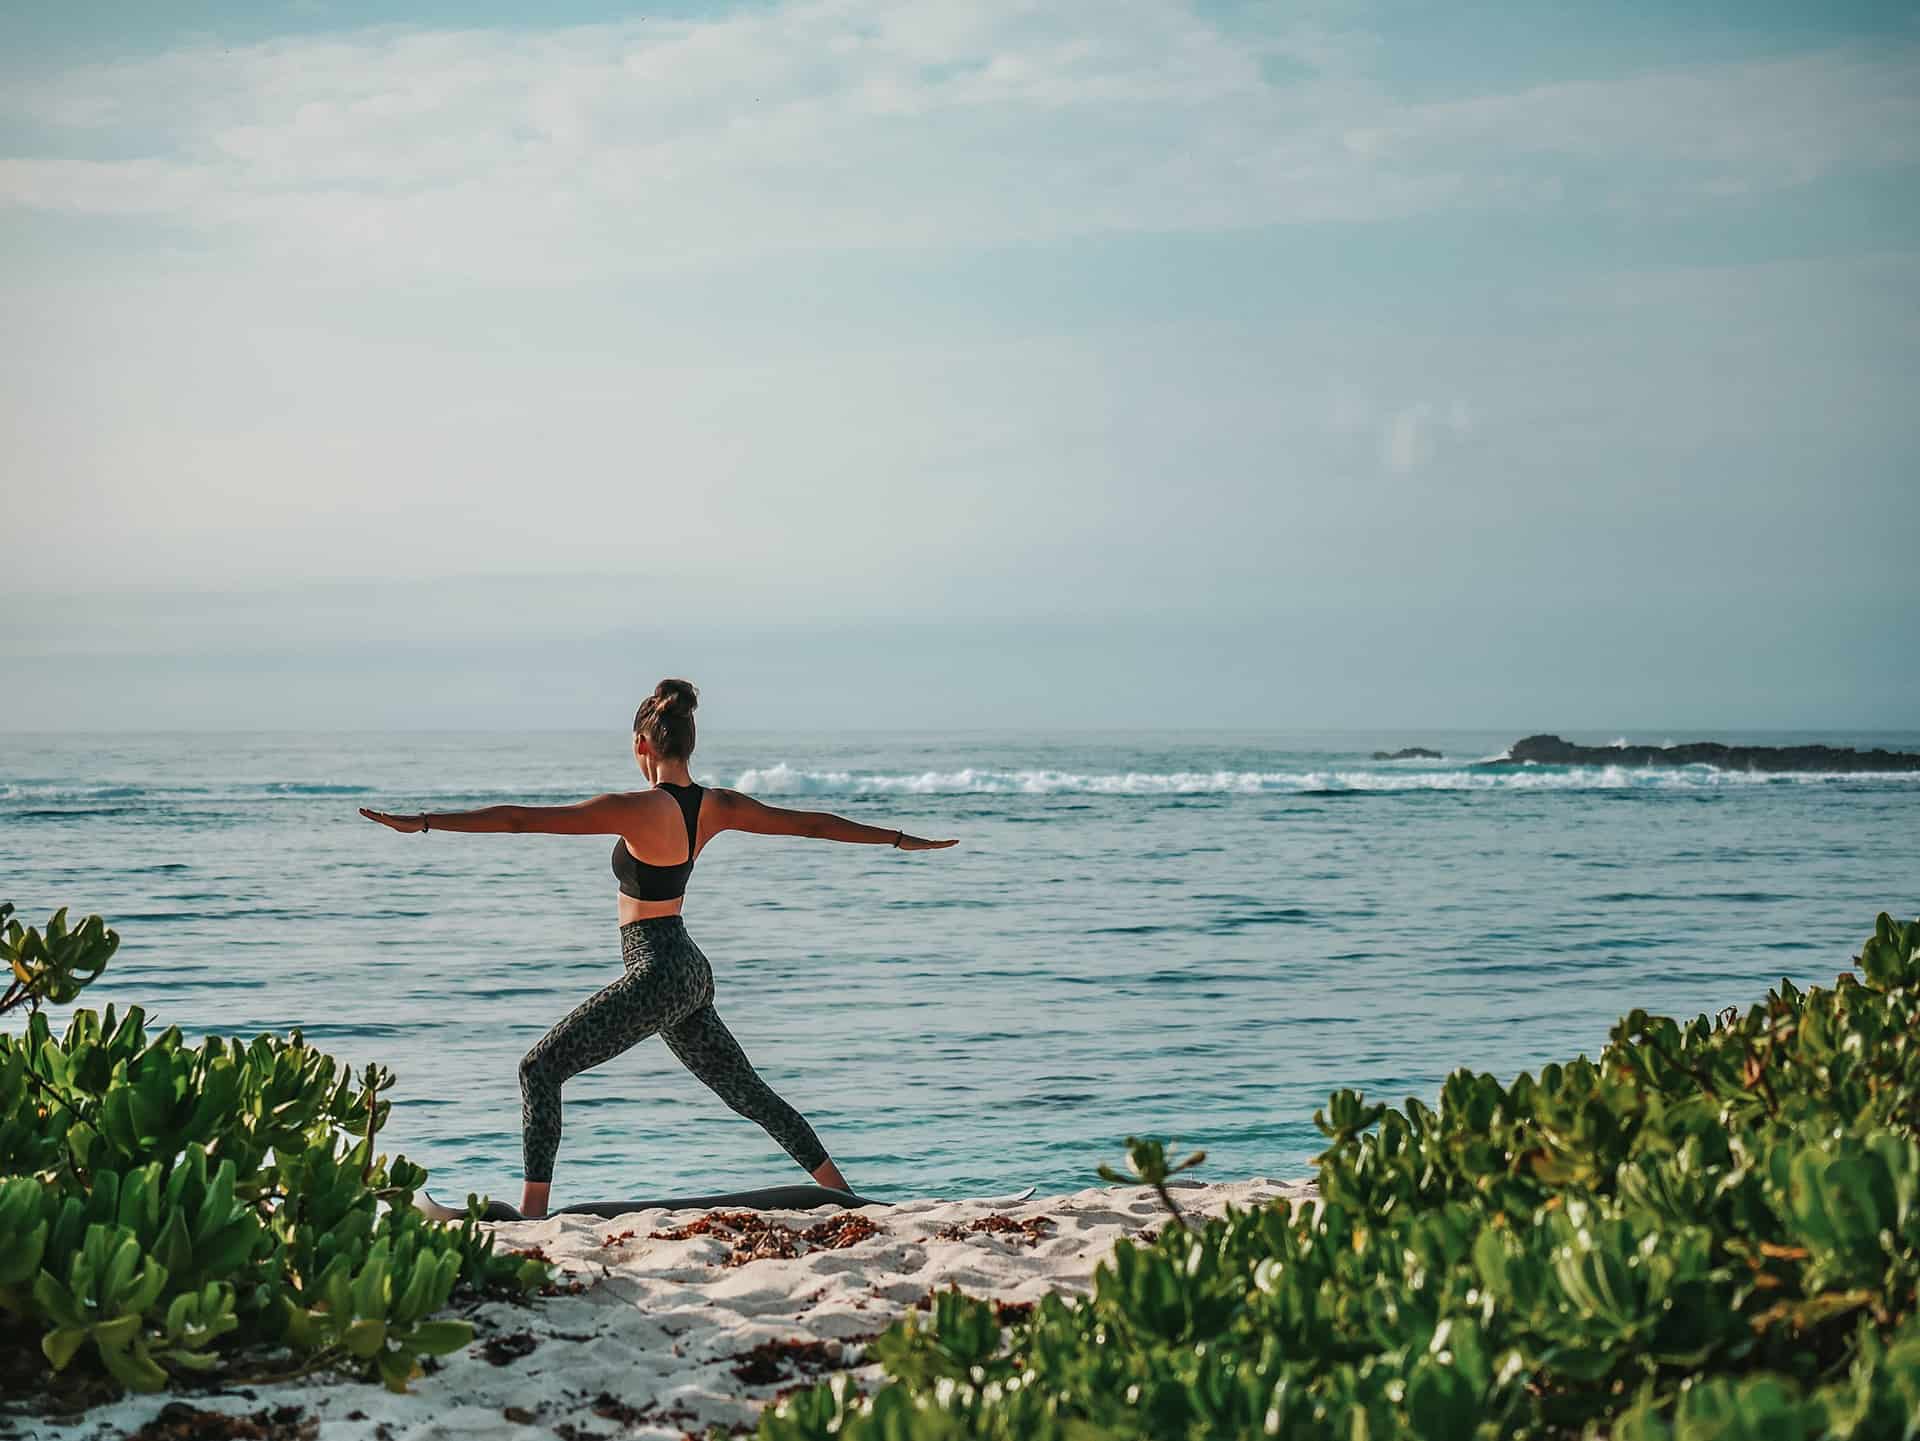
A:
{"x":969,"y":363}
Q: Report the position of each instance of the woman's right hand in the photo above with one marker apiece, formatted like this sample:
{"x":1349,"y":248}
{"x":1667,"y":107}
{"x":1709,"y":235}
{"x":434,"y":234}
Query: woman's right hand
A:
{"x":916,"y":843}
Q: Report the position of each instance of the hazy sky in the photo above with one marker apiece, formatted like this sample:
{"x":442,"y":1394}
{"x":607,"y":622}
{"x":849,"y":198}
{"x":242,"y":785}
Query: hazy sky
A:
{"x":961,"y":363}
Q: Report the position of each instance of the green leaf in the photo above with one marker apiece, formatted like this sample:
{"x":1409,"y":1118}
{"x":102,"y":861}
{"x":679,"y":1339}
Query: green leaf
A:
{"x":396,"y":1369}
{"x":366,"y":1337}
{"x":120,"y":1331}
{"x":438,"y":1338}
{"x":21,"y":1258}
{"x":134,"y":1368}
{"x":60,"y":1344}
{"x":369,"y":1287}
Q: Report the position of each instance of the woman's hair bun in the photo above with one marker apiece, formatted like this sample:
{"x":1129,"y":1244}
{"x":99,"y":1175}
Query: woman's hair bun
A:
{"x":675,"y":693}
{"x":665,"y":718}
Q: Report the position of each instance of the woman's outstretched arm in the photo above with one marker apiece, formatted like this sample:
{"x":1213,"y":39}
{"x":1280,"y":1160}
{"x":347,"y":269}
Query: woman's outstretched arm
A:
{"x":744,"y":813}
{"x":606,"y":815}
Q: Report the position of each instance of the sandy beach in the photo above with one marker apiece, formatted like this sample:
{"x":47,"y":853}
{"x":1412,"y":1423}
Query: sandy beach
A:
{"x":665,"y":1324}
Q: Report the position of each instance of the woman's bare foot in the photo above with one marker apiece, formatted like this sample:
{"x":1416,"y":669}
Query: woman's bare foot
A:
{"x":533,"y":1199}
{"x":828,"y":1174}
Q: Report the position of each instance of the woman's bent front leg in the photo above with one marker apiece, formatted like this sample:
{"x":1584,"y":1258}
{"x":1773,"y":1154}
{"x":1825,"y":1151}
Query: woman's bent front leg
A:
{"x":612,"y":1020}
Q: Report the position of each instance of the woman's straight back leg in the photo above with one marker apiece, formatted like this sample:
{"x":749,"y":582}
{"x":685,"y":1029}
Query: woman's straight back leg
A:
{"x":707,"y":1048}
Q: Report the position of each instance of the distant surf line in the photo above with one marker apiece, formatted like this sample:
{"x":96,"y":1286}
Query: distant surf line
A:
{"x":785,"y":780}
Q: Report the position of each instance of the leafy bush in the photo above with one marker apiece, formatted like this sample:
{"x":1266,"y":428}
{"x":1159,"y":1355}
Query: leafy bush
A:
{"x":55,"y":966}
{"x":165,"y":1207}
{"x":1711,"y":1231}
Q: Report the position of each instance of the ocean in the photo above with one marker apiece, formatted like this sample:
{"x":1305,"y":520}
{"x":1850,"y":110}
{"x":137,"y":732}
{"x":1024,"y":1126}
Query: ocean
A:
{"x":1191,"y":936}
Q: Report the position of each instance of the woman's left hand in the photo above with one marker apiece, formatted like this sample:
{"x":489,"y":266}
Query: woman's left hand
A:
{"x":398,"y":823}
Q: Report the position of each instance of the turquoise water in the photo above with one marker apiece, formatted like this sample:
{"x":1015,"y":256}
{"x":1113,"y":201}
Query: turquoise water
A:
{"x":1196,"y":936}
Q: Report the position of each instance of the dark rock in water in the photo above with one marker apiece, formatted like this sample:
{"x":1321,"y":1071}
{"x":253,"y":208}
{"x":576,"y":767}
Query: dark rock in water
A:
{"x":1552,"y":751}
{"x":1411,"y":753}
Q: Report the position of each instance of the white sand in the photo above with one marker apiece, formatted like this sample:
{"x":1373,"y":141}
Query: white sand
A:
{"x":661,"y":1323}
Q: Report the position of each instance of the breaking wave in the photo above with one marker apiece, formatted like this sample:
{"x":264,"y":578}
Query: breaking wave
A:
{"x":786,"y":780}
{"x":17,"y":797}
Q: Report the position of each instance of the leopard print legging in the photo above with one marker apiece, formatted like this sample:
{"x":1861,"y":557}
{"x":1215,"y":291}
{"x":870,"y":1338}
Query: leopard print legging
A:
{"x":668,"y":988}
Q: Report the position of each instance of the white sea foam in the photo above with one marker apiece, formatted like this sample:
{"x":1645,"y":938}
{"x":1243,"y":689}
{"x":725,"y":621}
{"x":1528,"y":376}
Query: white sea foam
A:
{"x":67,"y":791}
{"x":784,"y":779}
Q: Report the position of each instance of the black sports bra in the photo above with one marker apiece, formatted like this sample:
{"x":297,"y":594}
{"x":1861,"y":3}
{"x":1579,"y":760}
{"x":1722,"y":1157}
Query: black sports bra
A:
{"x":660,"y":883}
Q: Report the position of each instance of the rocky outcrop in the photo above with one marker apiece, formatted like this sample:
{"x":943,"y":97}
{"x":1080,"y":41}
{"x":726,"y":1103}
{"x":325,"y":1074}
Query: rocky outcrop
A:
{"x":1411,"y":753}
{"x":1552,"y":751}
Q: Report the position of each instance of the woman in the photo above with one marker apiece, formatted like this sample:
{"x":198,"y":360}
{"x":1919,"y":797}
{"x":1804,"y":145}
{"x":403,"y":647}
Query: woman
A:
{"x":668,"y":985}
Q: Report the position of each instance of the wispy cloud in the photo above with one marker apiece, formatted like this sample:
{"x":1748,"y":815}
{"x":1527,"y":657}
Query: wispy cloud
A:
{"x":1698,"y":131}
{"x":847,"y":124}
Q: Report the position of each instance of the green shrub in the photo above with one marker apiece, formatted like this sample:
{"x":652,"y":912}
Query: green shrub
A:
{"x":165,"y":1208}
{"x":55,"y":966}
{"x":1712,"y":1231}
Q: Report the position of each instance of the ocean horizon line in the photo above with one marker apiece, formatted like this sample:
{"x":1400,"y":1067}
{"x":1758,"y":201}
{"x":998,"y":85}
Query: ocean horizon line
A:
{"x":1617,"y":734}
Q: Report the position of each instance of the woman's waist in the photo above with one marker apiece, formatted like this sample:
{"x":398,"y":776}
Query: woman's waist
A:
{"x":657,"y":938}
{"x":633,"y":910}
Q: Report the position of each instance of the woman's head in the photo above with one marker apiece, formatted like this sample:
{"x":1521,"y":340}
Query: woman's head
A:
{"x":665,"y":719}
